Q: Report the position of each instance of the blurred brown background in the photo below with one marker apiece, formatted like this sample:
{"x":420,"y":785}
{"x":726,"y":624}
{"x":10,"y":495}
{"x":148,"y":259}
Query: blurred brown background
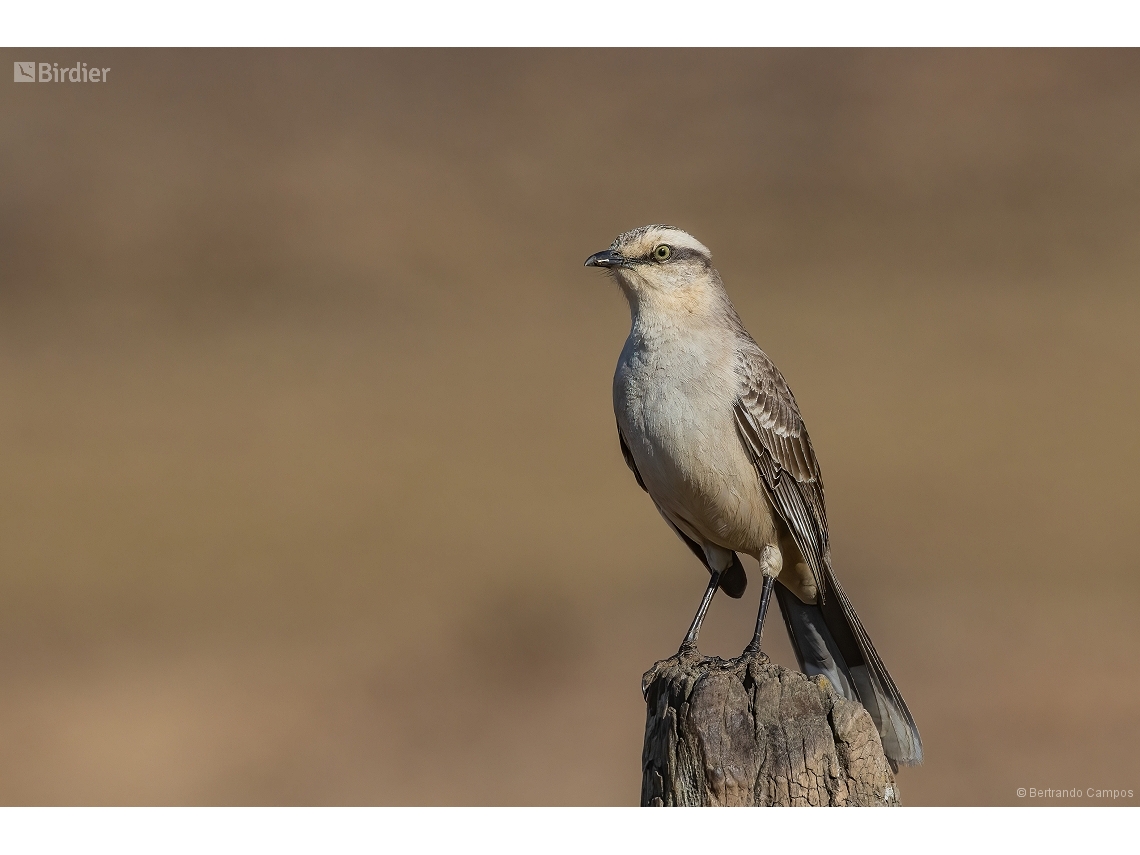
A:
{"x":310,"y":490}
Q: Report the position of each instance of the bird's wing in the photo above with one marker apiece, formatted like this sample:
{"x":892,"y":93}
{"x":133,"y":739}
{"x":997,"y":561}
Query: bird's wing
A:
{"x":627,"y":455}
{"x":772,"y":430}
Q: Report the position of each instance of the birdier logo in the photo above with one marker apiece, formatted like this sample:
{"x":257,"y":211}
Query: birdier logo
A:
{"x":50,"y":72}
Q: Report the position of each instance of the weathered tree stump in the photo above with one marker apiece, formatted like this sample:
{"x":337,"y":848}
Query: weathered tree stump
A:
{"x":751,"y":733}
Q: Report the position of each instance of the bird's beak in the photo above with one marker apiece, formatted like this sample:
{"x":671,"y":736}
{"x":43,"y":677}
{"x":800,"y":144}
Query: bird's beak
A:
{"x":607,"y":258}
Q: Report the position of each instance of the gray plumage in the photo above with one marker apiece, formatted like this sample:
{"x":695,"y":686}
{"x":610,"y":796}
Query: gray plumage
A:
{"x":713,"y":433}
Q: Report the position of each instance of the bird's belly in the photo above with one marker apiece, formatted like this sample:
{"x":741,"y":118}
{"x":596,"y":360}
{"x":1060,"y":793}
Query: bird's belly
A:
{"x":697,"y":471}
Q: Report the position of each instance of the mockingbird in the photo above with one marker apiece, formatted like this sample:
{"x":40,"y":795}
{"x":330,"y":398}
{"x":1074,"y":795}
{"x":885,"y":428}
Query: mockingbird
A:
{"x":712,"y":432}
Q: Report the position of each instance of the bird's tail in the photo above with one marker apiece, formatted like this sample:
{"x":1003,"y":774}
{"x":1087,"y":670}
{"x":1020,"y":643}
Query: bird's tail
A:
{"x":830,"y":640}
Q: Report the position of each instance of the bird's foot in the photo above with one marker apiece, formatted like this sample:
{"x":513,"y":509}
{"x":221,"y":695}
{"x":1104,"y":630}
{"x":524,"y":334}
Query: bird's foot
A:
{"x":688,"y":648}
{"x":752,"y":651}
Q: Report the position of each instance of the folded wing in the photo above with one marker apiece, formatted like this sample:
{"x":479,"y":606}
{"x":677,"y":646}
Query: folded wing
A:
{"x":828,"y":636}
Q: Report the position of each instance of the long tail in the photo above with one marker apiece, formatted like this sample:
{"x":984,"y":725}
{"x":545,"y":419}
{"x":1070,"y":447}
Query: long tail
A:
{"x":830,"y":640}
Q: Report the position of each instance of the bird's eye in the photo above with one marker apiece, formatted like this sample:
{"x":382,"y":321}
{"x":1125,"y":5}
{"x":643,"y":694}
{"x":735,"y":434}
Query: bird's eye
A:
{"x":663,"y":252}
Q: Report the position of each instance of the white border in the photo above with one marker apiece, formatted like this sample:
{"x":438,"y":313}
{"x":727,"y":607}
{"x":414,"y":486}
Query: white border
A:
{"x":573,"y":831}
{"x":600,"y":23}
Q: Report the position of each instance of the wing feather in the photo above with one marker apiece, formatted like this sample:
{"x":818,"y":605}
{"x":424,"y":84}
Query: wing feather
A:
{"x":773,"y":431}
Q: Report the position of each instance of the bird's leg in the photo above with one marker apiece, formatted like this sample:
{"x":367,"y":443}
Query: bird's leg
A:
{"x":690,"y":642}
{"x":754,"y":646}
{"x":765,"y":597}
{"x":771,"y":563}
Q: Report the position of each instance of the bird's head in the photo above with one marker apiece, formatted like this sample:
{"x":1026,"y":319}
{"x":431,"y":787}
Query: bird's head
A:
{"x":659,"y":264}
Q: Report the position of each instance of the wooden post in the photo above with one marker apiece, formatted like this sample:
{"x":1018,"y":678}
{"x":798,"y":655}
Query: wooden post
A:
{"x":754,"y":734}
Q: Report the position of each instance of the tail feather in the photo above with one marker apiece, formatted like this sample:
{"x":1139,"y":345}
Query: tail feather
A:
{"x":829,"y":639}
{"x":813,"y":642}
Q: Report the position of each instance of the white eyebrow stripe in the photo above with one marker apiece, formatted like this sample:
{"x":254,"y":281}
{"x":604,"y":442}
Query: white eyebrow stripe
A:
{"x":642,"y":241}
{"x":679,"y":239}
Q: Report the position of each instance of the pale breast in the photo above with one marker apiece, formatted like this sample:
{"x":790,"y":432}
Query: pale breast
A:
{"x":673,"y":401}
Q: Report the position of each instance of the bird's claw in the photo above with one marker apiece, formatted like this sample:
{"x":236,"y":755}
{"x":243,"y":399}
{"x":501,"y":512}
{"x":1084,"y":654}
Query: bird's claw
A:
{"x":752,"y":651}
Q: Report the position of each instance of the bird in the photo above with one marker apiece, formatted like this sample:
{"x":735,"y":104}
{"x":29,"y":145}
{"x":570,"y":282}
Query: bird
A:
{"x":711,"y":431}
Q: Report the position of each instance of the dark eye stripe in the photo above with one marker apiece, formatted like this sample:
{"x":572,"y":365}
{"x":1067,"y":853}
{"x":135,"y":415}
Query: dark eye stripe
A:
{"x":676,"y":253}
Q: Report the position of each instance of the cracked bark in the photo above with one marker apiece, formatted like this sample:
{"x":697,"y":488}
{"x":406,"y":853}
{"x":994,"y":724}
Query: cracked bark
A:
{"x":751,"y":733}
